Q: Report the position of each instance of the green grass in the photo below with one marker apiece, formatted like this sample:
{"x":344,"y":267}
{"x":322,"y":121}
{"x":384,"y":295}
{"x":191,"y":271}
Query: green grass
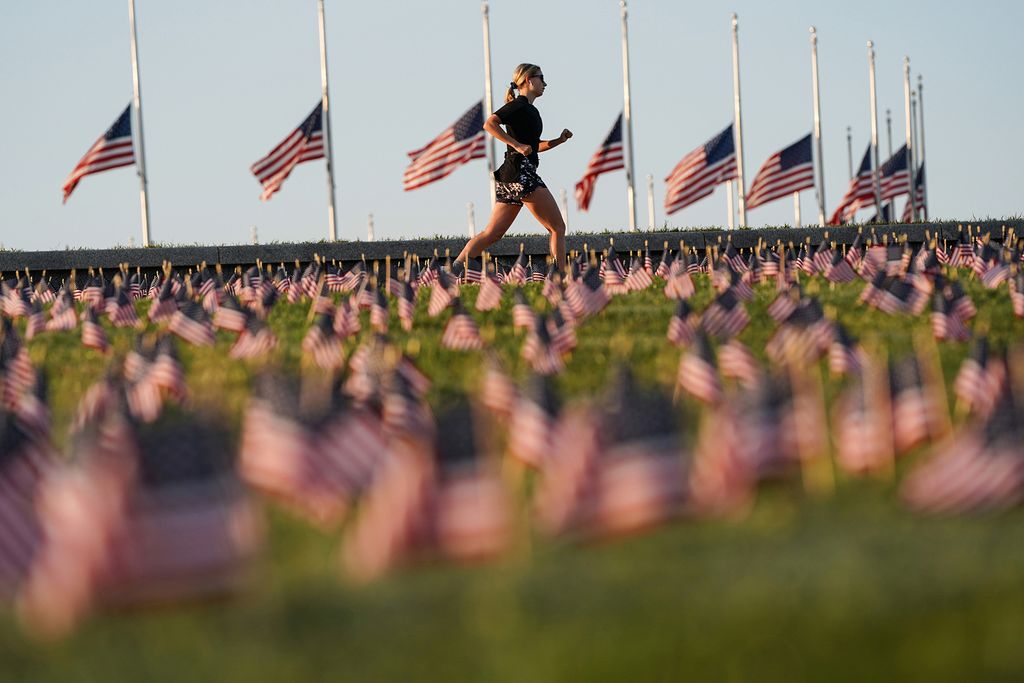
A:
{"x":846,"y":587}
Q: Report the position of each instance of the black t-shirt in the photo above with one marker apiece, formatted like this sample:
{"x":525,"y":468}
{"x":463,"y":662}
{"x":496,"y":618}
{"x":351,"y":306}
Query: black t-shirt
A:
{"x":522,"y":121}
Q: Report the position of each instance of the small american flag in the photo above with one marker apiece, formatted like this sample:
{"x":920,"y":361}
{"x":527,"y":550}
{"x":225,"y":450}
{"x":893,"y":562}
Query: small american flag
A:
{"x":93,"y":335}
{"x":113,"y":150}
{"x":489,"y":296}
{"x":461,"y":332}
{"x":607,"y":158}
{"x":785,"y":172}
{"x":681,"y":327}
{"x":533,"y":421}
{"x":697,"y":174}
{"x":305,"y":143}
{"x":463,"y":141}
{"x":323,"y":344}
{"x":192,"y":324}
{"x":523,"y":316}
{"x":698,"y":372}
{"x":539,"y":351}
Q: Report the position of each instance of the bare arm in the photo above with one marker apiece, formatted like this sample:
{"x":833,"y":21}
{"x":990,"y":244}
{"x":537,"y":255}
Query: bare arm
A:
{"x":545,"y":145}
{"x":493,"y":126}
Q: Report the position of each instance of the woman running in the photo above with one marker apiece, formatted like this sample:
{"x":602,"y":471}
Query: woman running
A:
{"x":517,"y":182}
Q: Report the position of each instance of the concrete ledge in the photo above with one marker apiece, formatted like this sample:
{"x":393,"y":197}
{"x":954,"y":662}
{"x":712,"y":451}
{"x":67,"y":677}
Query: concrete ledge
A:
{"x":535,"y":245}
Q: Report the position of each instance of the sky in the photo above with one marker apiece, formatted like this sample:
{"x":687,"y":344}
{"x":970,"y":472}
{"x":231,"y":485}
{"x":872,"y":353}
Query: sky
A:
{"x":225,"y":81}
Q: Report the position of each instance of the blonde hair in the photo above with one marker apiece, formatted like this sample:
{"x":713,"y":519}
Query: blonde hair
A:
{"x":520,"y":76}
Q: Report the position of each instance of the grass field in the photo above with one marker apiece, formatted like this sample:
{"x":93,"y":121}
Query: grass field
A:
{"x":846,"y":587}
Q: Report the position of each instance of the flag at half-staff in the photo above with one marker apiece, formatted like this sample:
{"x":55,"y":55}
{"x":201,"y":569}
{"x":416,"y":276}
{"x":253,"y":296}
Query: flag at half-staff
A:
{"x":697,"y":174}
{"x":607,"y":158}
{"x":305,"y":143}
{"x":785,"y":172}
{"x":859,"y":194}
{"x":458,"y":144}
{"x":894,"y":175}
{"x":918,"y":197}
{"x":113,"y":150}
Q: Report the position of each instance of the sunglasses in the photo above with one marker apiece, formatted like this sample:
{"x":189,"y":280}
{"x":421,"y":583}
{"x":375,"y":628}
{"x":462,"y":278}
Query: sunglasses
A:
{"x":541,"y":77}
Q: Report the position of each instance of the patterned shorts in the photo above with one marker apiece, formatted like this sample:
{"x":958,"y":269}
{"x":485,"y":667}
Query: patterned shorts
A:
{"x":513,"y":192}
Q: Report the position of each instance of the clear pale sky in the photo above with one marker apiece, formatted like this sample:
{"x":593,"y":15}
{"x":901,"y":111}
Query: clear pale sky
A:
{"x":224,"y":81}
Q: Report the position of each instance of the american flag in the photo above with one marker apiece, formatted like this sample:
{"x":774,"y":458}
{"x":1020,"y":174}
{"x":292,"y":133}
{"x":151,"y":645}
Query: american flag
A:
{"x":323,"y":344}
{"x":736,"y":360}
{"x":681,"y":327}
{"x":523,"y":316}
{"x":499,"y":393}
{"x":113,"y":150}
{"x":860,"y":193}
{"x":533,"y":421}
{"x":696,"y":175}
{"x":607,"y":158}
{"x":976,"y":385}
{"x":461,"y":332}
{"x":471,"y":508}
{"x":305,"y":143}
{"x":894,"y":175}
{"x":489,"y":296}
{"x":379,"y":314}
{"x":726,"y":316}
{"x":442,"y":293}
{"x":785,"y":172}
{"x":255,"y":340}
{"x":462,"y":142}
{"x":918,"y":196}
{"x":539,"y":351}
{"x":698,"y":372}
{"x":93,"y":335}
{"x":192,"y":324}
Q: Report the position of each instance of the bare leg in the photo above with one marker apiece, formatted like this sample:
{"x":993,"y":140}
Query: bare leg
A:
{"x":501,"y":220}
{"x":543,"y":206}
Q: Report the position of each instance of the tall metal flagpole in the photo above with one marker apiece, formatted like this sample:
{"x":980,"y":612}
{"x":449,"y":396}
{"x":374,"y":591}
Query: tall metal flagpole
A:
{"x":888,"y":128}
{"x":817,"y":126}
{"x":488,"y":99}
{"x":920,"y":113}
{"x":137,"y":101}
{"x":740,"y":187}
{"x":849,"y":150}
{"x":729,"y":206}
{"x":564,"y":198}
{"x":332,"y":228}
{"x":874,"y":128}
{"x":910,"y":136}
{"x":627,"y":118}
{"x":650,"y":201}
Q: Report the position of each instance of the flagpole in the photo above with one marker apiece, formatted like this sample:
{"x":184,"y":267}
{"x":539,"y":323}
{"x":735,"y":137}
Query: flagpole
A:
{"x":650,"y":201}
{"x":740,"y":188}
{"x":874,"y":128}
{"x":920,"y":113}
{"x":817,"y":126}
{"x":888,"y":127}
{"x":627,"y":118}
{"x":332,"y":233}
{"x":137,"y":101}
{"x":910,"y":136}
{"x":564,"y":196}
{"x":488,"y":99}
{"x":849,"y":151}
{"x":728,"y":205}
{"x":913,"y":136}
